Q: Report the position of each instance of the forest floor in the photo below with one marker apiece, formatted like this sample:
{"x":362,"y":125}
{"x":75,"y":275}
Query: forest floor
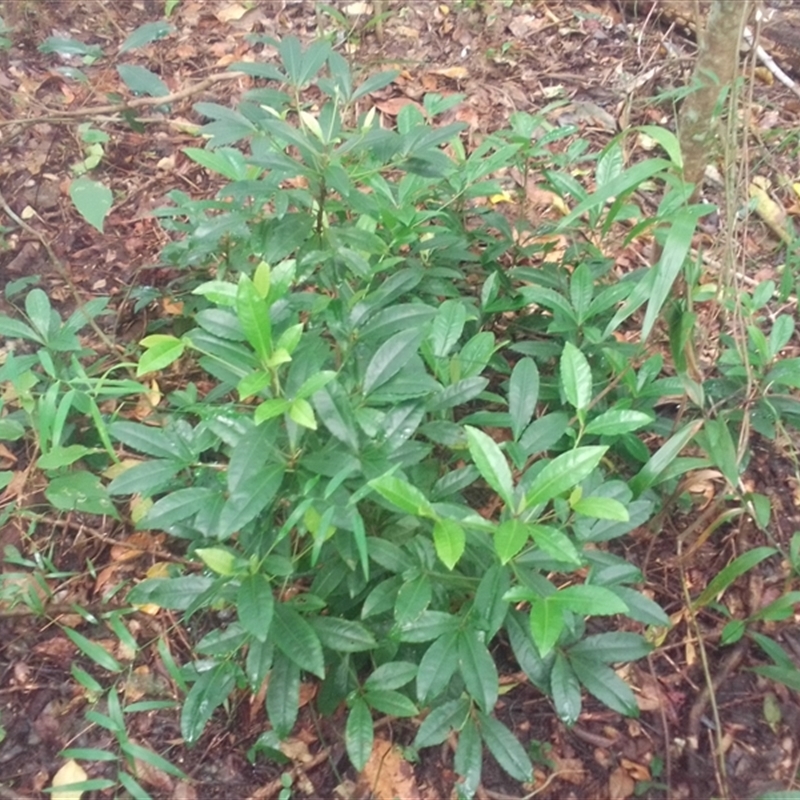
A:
{"x":612,"y":74}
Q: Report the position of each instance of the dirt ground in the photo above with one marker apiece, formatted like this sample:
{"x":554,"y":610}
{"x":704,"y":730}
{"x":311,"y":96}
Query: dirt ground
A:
{"x":503,"y":57}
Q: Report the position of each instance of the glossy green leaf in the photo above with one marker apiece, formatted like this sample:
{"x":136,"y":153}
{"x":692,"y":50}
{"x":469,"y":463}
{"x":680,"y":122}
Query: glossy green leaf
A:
{"x":209,"y":691}
{"x":92,"y":199}
{"x":601,"y":508}
{"x":555,"y":543}
{"x":447,"y":327}
{"x":253,"y":313}
{"x":283,"y":695}
{"x":566,"y":691}
{"x":249,"y":499}
{"x":509,"y":538}
{"x":722,"y":449}
{"x":92,"y":650}
{"x":437,"y":666}
{"x":144,"y":34}
{"x":576,"y":377}
{"x":427,"y":626}
{"x":392,"y":675}
{"x":505,"y":747}
{"x":255,"y":605}
{"x":491,"y":462}
{"x":403,"y":495}
{"x":617,"y":421}
{"x":219,"y":560}
{"x":477,"y":669}
{"x":80,"y":491}
{"x":523,"y":394}
{"x":343,"y":635}
{"x":141,"y":81}
{"x":546,"y":624}
{"x":611,"y":648}
{"x":589,"y":600}
{"x":437,"y":726}
{"x":390,"y":358}
{"x":468,"y":761}
{"x":388,"y":701}
{"x":161,"y":351}
{"x":297,"y":640}
{"x":449,"y":541}
{"x":58,"y":457}
{"x":649,"y":474}
{"x":412,"y":599}
{"x":726,"y":576}
{"x":605,"y":685}
{"x":358,"y":734}
{"x":563,"y":473}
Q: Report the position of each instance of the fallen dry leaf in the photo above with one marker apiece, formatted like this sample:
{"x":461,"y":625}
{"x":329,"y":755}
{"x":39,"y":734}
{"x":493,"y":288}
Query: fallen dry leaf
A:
{"x":70,"y":772}
{"x":453,"y":73}
{"x":387,"y":774}
{"x":620,"y":785}
{"x":231,"y":13}
{"x":394,"y":105}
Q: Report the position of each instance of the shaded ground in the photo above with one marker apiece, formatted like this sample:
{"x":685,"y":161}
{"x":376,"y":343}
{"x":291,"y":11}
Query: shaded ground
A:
{"x":503,"y":59}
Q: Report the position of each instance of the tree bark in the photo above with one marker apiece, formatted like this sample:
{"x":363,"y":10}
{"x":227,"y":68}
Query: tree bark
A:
{"x":714,"y":72}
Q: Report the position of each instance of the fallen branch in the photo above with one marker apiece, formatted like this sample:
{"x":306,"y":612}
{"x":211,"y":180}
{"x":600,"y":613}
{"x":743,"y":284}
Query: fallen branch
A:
{"x":128,"y":105}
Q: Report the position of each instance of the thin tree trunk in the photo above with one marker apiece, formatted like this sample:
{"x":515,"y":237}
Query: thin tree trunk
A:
{"x":714,"y":72}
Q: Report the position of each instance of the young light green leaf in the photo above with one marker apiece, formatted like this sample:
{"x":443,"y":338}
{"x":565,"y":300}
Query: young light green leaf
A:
{"x":601,"y":508}
{"x":523,"y":393}
{"x":555,"y":543}
{"x":303,"y":414}
{"x":449,"y":540}
{"x":563,"y":473}
{"x":92,"y":199}
{"x":253,"y":314}
{"x":491,"y":462}
{"x":576,"y":377}
{"x":546,"y":624}
{"x":403,"y":495}
{"x":617,"y":421}
{"x":161,"y":351}
{"x":509,"y":538}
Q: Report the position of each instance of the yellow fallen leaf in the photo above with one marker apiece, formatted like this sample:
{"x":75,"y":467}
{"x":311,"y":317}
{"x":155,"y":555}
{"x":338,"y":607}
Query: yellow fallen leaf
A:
{"x":71,"y":772}
{"x":773,"y":214}
{"x":501,"y":197}
{"x":454,"y":73}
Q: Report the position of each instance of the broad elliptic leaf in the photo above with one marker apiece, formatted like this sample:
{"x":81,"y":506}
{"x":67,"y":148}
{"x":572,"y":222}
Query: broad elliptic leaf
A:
{"x":449,"y":541}
{"x":617,"y":421}
{"x":255,"y":605}
{"x":161,"y":351}
{"x":358,"y":734}
{"x":523,"y":393}
{"x":605,"y":685}
{"x":563,"y":473}
{"x":601,"y":508}
{"x":390,"y":358}
{"x":283,"y":695}
{"x":509,"y":538}
{"x":505,"y":747}
{"x":547,"y":623}
{"x":92,"y":199}
{"x":141,"y":80}
{"x":403,"y":495}
{"x":468,"y":759}
{"x":566,"y":691}
{"x":437,"y":666}
{"x":210,"y":690}
{"x":436,"y":727}
{"x":477,"y":669}
{"x":587,"y":600}
{"x":491,"y":462}
{"x":392,"y":675}
{"x":447,"y":327}
{"x":555,"y":543}
{"x":295,"y":638}
{"x":144,"y":34}
{"x":576,"y":377}
{"x":80,"y":491}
